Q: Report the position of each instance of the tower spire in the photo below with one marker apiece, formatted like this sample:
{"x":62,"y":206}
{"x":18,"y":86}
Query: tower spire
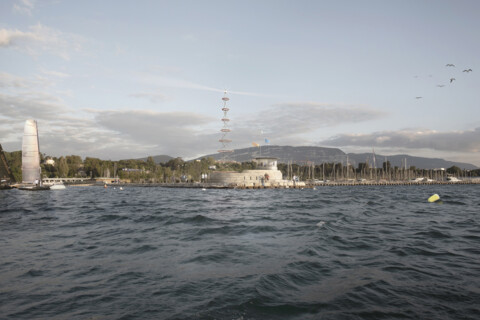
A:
{"x":225,"y":129}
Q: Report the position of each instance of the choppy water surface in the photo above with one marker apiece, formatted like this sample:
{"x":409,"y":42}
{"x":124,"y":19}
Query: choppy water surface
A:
{"x":156,"y":253}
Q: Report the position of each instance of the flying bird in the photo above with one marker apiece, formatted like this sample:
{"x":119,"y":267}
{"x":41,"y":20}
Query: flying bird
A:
{"x":467,"y":70}
{"x":449,"y":65}
{"x":418,"y":97}
{"x":452,"y":79}
{"x":440,"y":85}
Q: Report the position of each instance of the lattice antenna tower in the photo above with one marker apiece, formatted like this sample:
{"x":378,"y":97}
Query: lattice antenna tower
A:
{"x":225,"y":130}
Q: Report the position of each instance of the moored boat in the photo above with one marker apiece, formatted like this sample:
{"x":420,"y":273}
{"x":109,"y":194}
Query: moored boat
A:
{"x":57,"y":186}
{"x":33,"y":188}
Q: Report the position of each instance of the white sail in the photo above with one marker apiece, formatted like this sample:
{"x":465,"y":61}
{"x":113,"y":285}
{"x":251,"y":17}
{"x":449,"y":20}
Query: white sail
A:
{"x":30,"y":153}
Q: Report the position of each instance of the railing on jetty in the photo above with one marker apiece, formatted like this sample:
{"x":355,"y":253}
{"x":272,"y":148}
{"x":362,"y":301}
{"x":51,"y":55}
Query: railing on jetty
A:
{"x":308,"y":185}
{"x":391,"y":183}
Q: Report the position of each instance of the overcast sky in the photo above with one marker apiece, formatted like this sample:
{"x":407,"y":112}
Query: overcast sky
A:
{"x":127,"y":79}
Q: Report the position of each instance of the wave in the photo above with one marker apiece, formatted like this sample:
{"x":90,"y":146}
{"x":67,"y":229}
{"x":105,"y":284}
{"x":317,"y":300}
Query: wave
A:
{"x":354,"y":253}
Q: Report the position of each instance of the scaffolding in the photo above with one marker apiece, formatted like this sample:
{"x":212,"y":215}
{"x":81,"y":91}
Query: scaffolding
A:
{"x":224,"y":151}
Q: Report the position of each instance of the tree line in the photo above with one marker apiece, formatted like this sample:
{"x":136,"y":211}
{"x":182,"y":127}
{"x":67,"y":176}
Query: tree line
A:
{"x":178,"y":170}
{"x":133,"y":170}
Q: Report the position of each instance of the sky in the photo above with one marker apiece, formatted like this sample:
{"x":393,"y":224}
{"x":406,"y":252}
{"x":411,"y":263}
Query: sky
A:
{"x":128,"y":79}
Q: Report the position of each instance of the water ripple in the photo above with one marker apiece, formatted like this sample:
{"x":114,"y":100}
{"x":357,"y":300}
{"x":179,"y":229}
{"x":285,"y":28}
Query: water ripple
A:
{"x":375,"y":252}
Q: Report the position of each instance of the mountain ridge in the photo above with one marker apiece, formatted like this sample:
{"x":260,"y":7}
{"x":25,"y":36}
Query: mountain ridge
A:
{"x":158,"y":159}
{"x":318,"y":155}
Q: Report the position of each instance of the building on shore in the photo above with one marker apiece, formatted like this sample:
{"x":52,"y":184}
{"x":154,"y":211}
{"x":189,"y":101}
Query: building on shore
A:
{"x":266,"y":174}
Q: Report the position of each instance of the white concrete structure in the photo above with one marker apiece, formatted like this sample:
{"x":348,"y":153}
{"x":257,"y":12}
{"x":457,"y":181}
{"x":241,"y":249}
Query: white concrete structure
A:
{"x":266,"y":163}
{"x":266,"y":174}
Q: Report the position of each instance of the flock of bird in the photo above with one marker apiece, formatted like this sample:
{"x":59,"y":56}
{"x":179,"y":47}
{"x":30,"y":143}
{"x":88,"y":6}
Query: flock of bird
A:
{"x":449,"y":65}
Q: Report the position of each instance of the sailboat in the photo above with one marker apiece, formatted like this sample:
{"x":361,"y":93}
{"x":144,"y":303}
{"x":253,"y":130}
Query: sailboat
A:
{"x":31,"y":171}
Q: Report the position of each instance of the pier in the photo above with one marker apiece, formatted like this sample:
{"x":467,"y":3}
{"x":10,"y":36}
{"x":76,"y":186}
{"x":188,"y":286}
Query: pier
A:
{"x":206,"y":185}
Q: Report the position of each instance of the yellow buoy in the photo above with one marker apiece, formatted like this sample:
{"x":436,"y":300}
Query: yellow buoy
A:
{"x":433,"y":198}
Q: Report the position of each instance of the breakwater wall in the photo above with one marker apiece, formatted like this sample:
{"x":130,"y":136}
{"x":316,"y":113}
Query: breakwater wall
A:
{"x":307,"y":185}
{"x":392,"y":183}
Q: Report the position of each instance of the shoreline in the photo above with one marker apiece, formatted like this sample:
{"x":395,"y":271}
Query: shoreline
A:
{"x":206,"y":185}
{"x":326,"y":184}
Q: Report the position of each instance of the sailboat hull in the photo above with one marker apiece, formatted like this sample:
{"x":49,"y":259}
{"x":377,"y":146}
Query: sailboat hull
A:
{"x":34,"y":188}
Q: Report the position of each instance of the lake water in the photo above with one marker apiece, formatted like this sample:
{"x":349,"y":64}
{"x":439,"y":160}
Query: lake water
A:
{"x":373,"y":252}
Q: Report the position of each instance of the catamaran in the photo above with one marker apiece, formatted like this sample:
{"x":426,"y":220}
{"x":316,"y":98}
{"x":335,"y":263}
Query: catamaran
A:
{"x":31,"y":171}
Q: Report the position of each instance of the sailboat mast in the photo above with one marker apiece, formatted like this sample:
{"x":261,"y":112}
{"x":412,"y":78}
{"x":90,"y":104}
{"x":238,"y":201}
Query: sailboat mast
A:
{"x":39,"y":157}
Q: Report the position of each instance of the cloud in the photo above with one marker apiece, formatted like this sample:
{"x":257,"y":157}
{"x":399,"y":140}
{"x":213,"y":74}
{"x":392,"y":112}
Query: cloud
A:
{"x":458,"y":141}
{"x":9,"y":37}
{"x":37,"y":94}
{"x":31,"y":97}
{"x":41,"y":39}
{"x":163,"y":81}
{"x":162,"y":70}
{"x":62,"y":130}
{"x":130,"y":133}
{"x":73,"y":134}
{"x":56,"y":74}
{"x":178,"y":133}
{"x":175,"y":83}
{"x":291,"y":123}
{"x":31,"y":105}
{"x":38,"y":82}
{"x":22,"y":98}
{"x":87,"y":140}
{"x":287,"y":119}
{"x":150,"y":96}
{"x":24,"y":7}
{"x":121,"y":134}
{"x":113,"y":134}
{"x":11,"y":81}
